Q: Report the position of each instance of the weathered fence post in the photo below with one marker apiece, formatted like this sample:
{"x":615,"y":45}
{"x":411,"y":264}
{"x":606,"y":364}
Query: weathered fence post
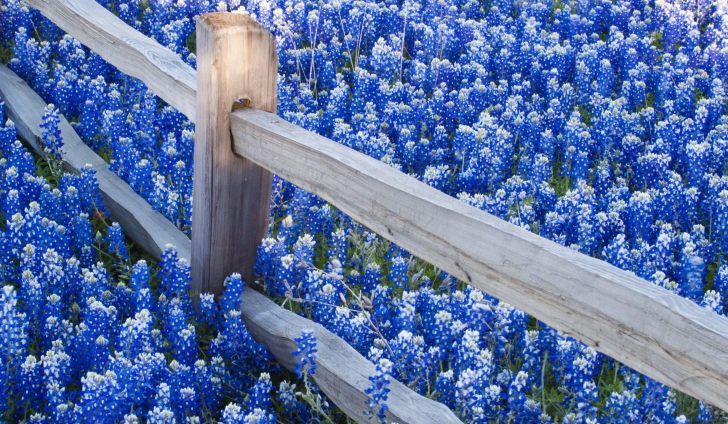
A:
{"x":236,"y":61}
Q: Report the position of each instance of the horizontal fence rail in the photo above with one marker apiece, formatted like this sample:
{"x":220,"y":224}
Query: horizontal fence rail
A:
{"x":130,"y":51}
{"x":650,"y":329}
{"x":656,"y":332}
{"x":147,"y":227}
{"x":342,"y":372}
{"x":336,"y":358}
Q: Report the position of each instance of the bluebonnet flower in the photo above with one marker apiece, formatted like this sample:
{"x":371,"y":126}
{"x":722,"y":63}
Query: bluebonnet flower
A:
{"x":693,"y":269}
{"x":207,"y":311}
{"x":477,"y":97}
{"x":706,"y":413}
{"x":292,"y":406}
{"x":99,"y":321}
{"x":52,"y":140}
{"x":622,"y":408}
{"x":306,"y":365}
{"x":139,"y":283}
{"x":233,"y":414}
{"x":162,"y":412}
{"x":379,"y":390}
{"x":135,"y":335}
{"x":57,"y":372}
{"x":100,"y":395}
{"x":445,"y":386}
{"x":371,"y":277}
{"x":233,"y":290}
{"x":260,"y":394}
{"x":521,"y":407}
{"x":286,"y":274}
{"x":116,"y":241}
{"x":13,"y":325}
{"x":398,"y":272}
{"x":657,"y":401}
{"x":236,"y":345}
{"x":4,"y":389}
{"x":618,"y":253}
{"x":175,"y":279}
{"x":712,"y":300}
{"x":30,"y":383}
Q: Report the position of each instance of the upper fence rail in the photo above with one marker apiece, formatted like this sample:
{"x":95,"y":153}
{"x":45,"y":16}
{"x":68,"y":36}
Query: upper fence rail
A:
{"x":150,"y":229}
{"x":130,"y":51}
{"x":646,"y":327}
{"x":658,"y":333}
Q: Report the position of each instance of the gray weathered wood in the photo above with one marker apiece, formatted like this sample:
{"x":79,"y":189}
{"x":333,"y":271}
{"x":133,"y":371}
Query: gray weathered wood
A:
{"x":148,"y":228}
{"x":237,"y":60}
{"x":644,"y":326}
{"x":130,"y":51}
{"x":335,"y":359}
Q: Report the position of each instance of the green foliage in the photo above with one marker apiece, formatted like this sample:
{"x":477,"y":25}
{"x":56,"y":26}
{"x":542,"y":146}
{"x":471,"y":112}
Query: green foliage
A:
{"x":550,"y":396}
{"x":560,"y":182}
{"x":556,"y":5}
{"x":5,"y":54}
{"x":586,"y":115}
{"x":712,"y":269}
{"x":192,"y":42}
{"x":649,"y":102}
{"x":686,"y":405}
{"x":699,"y":95}
{"x":105,"y":154}
{"x":657,"y":40}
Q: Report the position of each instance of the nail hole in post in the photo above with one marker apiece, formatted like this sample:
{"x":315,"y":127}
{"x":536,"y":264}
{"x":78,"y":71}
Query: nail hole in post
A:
{"x":241,"y":102}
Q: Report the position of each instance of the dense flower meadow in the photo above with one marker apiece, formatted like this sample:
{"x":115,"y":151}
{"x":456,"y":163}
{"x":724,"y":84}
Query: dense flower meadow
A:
{"x":87,"y":336}
{"x":599,"y":124}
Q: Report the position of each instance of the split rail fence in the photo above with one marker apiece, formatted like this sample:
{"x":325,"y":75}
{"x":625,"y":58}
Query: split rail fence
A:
{"x":241,"y":142}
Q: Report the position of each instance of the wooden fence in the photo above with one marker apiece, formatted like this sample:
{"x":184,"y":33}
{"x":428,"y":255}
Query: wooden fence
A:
{"x":342,"y":372}
{"x":658,"y":333}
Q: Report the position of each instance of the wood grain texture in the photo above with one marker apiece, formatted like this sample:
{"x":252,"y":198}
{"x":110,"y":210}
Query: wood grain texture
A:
{"x":148,"y":228}
{"x":342,"y":373}
{"x":237,"y":60}
{"x":127,"y":49}
{"x":644,"y":326}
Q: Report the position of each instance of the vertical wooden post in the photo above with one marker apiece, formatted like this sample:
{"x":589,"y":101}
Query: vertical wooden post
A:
{"x":236,"y":60}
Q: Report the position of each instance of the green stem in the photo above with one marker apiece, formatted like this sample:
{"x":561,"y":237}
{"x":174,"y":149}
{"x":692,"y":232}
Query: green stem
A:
{"x":543,"y":380}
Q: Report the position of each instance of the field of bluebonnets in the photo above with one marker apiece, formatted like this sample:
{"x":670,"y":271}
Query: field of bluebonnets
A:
{"x":600,"y":125}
